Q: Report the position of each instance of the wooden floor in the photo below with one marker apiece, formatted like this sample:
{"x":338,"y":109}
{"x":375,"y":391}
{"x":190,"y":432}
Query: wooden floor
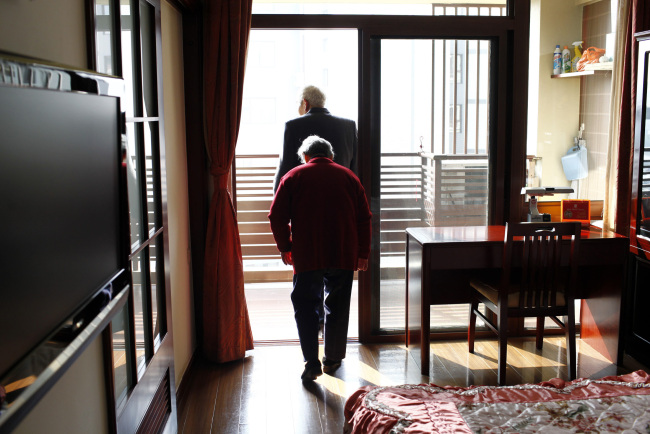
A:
{"x":263,"y":393}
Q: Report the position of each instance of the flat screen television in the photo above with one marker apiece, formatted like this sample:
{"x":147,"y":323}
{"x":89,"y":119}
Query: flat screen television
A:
{"x":63,"y":218}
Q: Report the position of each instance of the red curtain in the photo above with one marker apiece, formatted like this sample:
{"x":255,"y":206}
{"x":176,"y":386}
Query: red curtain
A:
{"x":638,"y":21}
{"x":226,"y":327}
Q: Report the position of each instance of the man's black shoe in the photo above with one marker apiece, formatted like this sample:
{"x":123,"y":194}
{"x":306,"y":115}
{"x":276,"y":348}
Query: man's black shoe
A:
{"x":311,"y":372}
{"x":330,"y":365}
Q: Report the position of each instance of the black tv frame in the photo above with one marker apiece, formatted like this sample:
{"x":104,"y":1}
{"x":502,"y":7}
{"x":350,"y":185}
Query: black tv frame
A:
{"x":52,"y":357}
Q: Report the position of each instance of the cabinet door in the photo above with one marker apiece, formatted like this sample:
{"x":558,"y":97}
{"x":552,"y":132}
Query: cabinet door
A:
{"x":640,"y":197}
{"x":639,"y":336}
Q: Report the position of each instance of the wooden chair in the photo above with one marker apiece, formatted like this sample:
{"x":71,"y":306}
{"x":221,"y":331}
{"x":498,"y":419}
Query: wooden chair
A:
{"x":537,"y":280}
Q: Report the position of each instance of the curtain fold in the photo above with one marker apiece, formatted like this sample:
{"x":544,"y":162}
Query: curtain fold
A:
{"x":633,"y":17}
{"x":226,"y":326}
{"x":618,"y":81}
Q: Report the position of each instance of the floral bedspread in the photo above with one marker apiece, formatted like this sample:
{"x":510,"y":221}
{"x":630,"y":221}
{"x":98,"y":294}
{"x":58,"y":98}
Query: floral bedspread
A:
{"x":611,"y":404}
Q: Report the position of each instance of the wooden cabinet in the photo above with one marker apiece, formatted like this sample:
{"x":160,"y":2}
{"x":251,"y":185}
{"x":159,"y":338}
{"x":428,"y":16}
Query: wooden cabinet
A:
{"x":638,"y":327}
{"x":638,"y":342}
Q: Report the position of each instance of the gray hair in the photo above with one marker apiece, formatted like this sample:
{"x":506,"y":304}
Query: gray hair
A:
{"x":314,"y":95}
{"x":314,"y":146}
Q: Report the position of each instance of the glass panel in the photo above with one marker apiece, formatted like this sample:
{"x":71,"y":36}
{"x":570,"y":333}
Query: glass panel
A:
{"x":434,"y":163}
{"x":148,"y":46}
{"x":152,"y":167}
{"x":468,"y":7}
{"x":129,"y":47}
{"x":121,"y":358}
{"x":139,"y":307}
{"x":132,"y":159}
{"x":340,"y":8}
{"x":157,"y":278}
{"x":104,"y":47}
{"x":291,"y":60}
{"x":471,"y":8}
{"x":644,"y":223}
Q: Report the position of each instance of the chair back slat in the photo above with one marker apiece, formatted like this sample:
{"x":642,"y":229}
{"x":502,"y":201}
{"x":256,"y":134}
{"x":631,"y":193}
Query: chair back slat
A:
{"x":536,"y":264}
{"x":545,"y":288}
{"x":544,"y":274}
{"x":526,"y":272}
{"x":555,"y":271}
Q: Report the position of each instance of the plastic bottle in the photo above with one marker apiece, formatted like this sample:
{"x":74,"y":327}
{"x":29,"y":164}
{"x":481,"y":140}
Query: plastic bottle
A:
{"x":577,"y":51}
{"x":566,"y":60}
{"x":557,"y":60}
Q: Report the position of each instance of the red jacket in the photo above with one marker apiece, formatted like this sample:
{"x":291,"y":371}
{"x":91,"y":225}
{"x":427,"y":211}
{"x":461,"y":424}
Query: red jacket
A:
{"x":320,"y":214}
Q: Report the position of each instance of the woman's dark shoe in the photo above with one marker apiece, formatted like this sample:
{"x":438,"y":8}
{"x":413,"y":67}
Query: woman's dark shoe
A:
{"x":330,"y":365}
{"x":311,"y":372}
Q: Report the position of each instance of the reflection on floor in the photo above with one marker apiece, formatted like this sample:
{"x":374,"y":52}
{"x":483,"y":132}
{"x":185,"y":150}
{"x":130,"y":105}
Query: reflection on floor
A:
{"x":271,"y":313}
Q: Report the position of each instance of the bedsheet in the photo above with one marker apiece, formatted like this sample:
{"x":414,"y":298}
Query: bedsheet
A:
{"x":610,"y":404}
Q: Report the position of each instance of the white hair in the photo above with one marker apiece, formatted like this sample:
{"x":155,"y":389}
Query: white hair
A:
{"x":314,"y":95}
{"x":314,"y":146}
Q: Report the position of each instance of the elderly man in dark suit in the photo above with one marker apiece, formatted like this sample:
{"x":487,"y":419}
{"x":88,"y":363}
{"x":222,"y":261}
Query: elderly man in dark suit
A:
{"x":321,"y":224}
{"x":315,"y":119}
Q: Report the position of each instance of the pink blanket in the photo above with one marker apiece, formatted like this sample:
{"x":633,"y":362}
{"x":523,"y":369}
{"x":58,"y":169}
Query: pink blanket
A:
{"x":611,"y":404}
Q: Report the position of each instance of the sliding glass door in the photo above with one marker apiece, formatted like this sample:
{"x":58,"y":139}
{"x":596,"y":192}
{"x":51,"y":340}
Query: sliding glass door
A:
{"x":432,"y":165}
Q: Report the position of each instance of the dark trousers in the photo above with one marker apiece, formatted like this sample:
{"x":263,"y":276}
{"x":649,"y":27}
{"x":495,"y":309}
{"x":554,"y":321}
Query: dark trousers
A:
{"x":307,"y":296}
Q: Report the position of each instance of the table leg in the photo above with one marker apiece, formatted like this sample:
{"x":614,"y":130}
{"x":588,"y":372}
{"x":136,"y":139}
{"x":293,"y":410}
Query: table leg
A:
{"x":425,"y":319}
{"x":414,"y":296}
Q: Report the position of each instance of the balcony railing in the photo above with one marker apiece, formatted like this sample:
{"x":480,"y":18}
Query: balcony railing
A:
{"x":455,"y":189}
{"x":417,"y":189}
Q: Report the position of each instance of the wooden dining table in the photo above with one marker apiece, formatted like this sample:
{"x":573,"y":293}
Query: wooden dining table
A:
{"x":441,"y":260}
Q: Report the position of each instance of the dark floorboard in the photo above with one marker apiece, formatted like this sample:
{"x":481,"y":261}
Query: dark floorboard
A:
{"x":263,"y":392}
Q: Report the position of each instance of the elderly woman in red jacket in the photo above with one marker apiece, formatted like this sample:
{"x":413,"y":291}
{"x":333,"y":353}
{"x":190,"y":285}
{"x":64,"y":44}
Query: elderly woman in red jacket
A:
{"x":321,"y":224}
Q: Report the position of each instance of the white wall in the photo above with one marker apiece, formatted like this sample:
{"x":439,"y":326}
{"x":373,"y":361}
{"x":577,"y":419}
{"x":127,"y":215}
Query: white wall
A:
{"x":45,"y":29}
{"x":554,"y":121}
{"x":76,"y":403}
{"x":177,"y":192}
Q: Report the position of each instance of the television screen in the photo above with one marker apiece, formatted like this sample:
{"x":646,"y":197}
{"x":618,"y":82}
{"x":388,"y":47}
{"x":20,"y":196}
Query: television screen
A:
{"x":60,"y":224}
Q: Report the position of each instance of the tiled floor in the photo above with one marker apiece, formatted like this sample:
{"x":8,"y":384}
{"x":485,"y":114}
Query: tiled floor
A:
{"x":271,"y":313}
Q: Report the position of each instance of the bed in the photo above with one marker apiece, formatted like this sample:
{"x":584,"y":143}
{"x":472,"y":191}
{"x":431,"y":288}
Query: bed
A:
{"x":610,"y":404}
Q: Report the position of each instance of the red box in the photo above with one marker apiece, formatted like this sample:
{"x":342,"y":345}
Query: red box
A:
{"x":576,"y":210}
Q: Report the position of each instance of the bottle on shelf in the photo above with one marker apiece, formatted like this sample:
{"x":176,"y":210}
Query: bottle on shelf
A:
{"x":566,"y":60}
{"x":557,"y":60}
{"x":577,"y":51}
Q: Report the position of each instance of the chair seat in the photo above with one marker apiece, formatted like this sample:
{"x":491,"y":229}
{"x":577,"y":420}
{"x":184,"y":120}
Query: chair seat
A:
{"x":489,"y":291}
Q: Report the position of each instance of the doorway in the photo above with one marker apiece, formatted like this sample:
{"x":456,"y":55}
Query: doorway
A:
{"x":280,"y":64}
